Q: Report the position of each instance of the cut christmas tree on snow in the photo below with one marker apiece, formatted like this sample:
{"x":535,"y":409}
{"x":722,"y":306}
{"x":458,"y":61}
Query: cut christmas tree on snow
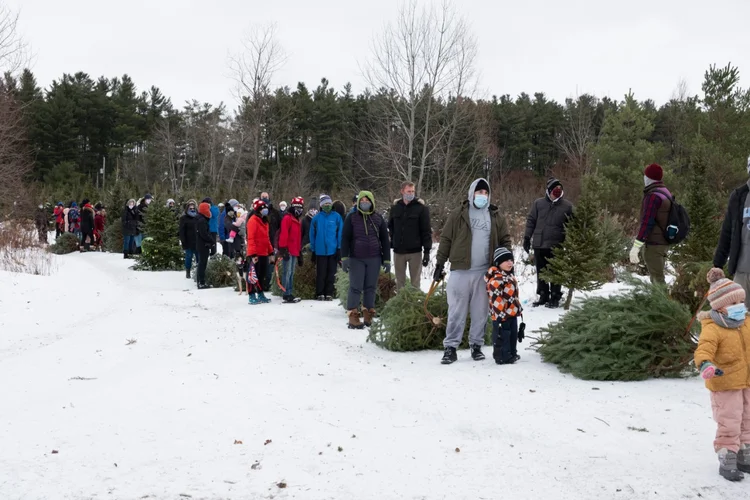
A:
{"x":161,"y":246}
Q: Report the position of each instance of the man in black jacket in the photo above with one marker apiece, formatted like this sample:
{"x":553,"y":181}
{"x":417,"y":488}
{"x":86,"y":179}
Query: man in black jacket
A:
{"x":188,"y":235}
{"x":204,"y":242}
{"x":734,"y":241}
{"x":545,"y":230}
{"x":411,"y":235}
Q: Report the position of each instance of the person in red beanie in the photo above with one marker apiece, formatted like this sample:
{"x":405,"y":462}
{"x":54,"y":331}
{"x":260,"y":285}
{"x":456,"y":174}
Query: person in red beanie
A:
{"x":204,"y":242}
{"x":651,"y":242}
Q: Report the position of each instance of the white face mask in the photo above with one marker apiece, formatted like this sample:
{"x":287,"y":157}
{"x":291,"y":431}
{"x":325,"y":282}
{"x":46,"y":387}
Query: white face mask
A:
{"x":647,"y":181}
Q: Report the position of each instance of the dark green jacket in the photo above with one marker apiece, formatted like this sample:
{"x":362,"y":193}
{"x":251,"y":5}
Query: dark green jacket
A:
{"x":455,"y":239}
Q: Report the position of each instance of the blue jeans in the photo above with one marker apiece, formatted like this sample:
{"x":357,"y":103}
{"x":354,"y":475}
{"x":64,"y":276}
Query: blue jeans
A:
{"x":189,"y":254}
{"x":127,"y":242}
{"x":287,"y":275}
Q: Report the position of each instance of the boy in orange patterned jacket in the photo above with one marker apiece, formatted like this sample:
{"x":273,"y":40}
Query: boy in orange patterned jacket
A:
{"x":505,"y":307}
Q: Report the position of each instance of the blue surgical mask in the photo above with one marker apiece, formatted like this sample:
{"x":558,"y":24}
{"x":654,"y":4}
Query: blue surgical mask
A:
{"x":480,"y":200}
{"x":737,"y":312}
{"x":409,"y":197}
{"x":264,"y":212}
{"x":365,"y":206}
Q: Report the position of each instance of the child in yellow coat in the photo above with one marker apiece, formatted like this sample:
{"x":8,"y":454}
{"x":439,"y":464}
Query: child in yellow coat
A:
{"x":723,"y":356}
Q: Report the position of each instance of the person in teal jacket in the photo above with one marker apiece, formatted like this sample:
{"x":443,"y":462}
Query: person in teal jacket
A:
{"x":325,"y":245}
{"x":213,"y":223}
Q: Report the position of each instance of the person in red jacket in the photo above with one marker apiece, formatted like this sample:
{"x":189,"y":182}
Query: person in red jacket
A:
{"x":290,"y":247}
{"x":59,"y":219}
{"x":100,"y":220}
{"x":259,"y":250}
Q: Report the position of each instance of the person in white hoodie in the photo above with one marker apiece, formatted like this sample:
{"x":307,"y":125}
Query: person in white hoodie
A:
{"x":468,"y":240}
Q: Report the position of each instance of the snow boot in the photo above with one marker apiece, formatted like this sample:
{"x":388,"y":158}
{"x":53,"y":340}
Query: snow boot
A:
{"x":743,"y":458}
{"x":543,"y":299}
{"x":449,"y":356}
{"x":328,"y":298}
{"x":728,"y":466}
{"x":476,"y":353}
{"x":290,"y":299}
{"x":320,"y":298}
{"x":554,"y":302}
{"x":354,"y":322}
{"x":203,"y":286}
{"x":368,"y":314}
{"x":187,"y":273}
{"x":262,"y":298}
{"x":252,"y":299}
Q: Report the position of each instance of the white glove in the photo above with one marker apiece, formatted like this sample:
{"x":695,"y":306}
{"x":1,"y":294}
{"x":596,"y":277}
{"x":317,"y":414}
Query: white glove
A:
{"x":635,"y":252}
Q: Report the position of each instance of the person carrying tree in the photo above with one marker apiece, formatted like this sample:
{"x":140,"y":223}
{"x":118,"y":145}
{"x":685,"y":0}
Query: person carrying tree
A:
{"x":411,"y":235}
{"x":651,"y":242}
{"x":468,"y":240}
{"x":545,"y":231}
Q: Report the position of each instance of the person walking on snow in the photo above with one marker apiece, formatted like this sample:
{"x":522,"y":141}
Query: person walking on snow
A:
{"x":651,"y":242}
{"x":364,"y":250}
{"x":189,"y":235}
{"x":59,"y":219}
{"x":129,"y":228}
{"x":205,"y":242}
{"x":505,"y":308}
{"x":722,"y":357}
{"x":100,"y":221}
{"x":411,"y":236}
{"x":326,"y":230}
{"x":259,"y":249}
{"x":74,"y":220}
{"x":290,"y":247}
{"x":468,"y":240}
{"x":734,"y":239}
{"x":545,"y":231}
{"x":87,"y":226}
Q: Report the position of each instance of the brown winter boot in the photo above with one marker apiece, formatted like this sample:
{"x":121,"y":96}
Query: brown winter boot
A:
{"x":369,"y":315}
{"x":354,"y":323}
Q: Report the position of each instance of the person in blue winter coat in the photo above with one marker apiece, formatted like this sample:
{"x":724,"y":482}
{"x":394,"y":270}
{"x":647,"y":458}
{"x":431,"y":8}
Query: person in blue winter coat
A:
{"x":325,"y":245}
{"x":213,"y":223}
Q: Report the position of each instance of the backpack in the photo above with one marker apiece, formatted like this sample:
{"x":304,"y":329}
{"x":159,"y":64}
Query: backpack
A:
{"x":678,"y":223}
{"x":73,"y":216}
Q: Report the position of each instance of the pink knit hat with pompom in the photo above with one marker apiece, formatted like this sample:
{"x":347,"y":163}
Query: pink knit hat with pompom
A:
{"x":723,"y":292}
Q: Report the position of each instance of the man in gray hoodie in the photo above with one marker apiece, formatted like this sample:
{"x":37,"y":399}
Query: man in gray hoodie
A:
{"x":468,"y":240}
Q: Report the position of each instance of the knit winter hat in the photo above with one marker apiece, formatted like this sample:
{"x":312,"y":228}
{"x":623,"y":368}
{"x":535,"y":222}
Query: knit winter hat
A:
{"x":233,"y":203}
{"x":325,"y":200}
{"x":298,"y":202}
{"x":654,"y":172}
{"x":148,"y":197}
{"x":205,"y":210}
{"x":723,"y":292}
{"x":502,"y":254}
{"x":552,"y":183}
{"x":283,"y":206}
{"x":482,"y":184}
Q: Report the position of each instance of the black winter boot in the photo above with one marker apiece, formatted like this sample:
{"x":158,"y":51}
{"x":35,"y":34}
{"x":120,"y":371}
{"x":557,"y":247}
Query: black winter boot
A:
{"x":554,"y":302}
{"x":743,"y":458}
{"x":476,"y":353}
{"x":543,"y":299}
{"x":449,"y":356}
{"x":187,"y":273}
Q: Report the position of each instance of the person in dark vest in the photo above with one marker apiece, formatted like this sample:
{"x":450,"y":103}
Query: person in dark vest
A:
{"x":651,"y":242}
{"x":364,"y":250}
{"x":545,"y":230}
{"x":734,"y":240}
{"x":411,"y":236}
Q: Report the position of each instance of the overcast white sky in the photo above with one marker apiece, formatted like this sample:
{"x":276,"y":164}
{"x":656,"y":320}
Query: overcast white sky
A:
{"x":560,"y":47}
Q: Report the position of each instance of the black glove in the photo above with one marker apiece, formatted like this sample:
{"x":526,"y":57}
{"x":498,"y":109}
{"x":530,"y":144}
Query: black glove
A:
{"x":521,"y":332}
{"x":284,"y":253}
{"x":439,"y":273}
{"x":426,"y":258}
{"x":300,"y":260}
{"x":526,"y":244}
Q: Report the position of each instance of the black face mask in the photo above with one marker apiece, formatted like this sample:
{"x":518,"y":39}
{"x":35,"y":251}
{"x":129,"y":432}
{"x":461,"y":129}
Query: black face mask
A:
{"x":297,"y":212}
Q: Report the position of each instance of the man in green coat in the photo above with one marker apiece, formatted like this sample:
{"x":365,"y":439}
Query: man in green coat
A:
{"x":468,"y":240}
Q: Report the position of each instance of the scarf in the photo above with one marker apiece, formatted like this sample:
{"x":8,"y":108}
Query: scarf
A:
{"x":722,"y":320}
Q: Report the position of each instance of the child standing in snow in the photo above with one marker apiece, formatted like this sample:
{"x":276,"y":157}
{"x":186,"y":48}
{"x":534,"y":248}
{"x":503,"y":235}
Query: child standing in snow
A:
{"x":723,"y":351}
{"x":505,"y":307}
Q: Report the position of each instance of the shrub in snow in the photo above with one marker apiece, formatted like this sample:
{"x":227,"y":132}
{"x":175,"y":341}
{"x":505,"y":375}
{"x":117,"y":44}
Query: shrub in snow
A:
{"x":385,"y":290}
{"x":66,"y":243}
{"x":113,"y":235}
{"x":221,"y":272}
{"x":304,"y":279}
{"x":633,"y":336}
{"x":161,"y":250}
{"x":691,"y":286}
{"x":402,"y":324}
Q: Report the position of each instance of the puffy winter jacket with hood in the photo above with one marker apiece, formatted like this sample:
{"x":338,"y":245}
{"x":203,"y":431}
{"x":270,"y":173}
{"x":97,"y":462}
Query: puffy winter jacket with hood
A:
{"x":545,"y":224}
{"x":455,"y":238}
{"x":728,"y":349}
{"x":213,"y":224}
{"x":290,"y":234}
{"x":258,"y":239}
{"x":325,"y":233}
{"x":204,"y":241}
{"x":188,"y":226}
{"x":87,"y":218}
{"x":365,"y":233}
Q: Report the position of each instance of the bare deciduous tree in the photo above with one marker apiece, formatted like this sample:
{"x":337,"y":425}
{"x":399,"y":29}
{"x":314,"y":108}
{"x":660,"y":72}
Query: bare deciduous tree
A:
{"x":419,"y":65}
{"x":253,"y":69}
{"x":579,"y":134}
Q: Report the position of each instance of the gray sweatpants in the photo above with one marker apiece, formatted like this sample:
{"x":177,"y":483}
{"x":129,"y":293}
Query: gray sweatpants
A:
{"x":363,"y":277}
{"x":743,"y":279}
{"x":467,"y":293}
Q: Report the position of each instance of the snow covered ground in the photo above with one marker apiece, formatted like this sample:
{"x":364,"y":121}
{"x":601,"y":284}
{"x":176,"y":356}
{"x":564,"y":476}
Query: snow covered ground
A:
{"x":127,"y":385}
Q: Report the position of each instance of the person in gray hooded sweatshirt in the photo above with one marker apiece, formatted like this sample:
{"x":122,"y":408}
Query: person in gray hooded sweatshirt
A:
{"x":470,"y":236}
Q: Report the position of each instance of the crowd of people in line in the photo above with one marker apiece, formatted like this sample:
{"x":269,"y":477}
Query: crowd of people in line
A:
{"x":86,"y":222}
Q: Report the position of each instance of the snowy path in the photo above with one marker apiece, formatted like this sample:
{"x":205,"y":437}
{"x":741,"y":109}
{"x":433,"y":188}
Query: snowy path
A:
{"x":159,"y":418}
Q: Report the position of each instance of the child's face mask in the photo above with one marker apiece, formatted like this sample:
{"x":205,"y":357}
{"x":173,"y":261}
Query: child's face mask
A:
{"x":737,"y":312}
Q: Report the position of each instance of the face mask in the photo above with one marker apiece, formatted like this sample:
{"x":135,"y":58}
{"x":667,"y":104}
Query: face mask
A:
{"x":365,"y":206}
{"x":192,"y":212}
{"x":326,"y":208}
{"x":131,"y":205}
{"x":480,"y":200}
{"x":313,"y":212}
{"x":297,"y":212}
{"x":264,"y":212}
{"x":557,"y":192}
{"x":267,"y":201}
{"x":148,"y":202}
{"x":408,"y":197}
{"x":737,"y":312}
{"x":41,"y":206}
